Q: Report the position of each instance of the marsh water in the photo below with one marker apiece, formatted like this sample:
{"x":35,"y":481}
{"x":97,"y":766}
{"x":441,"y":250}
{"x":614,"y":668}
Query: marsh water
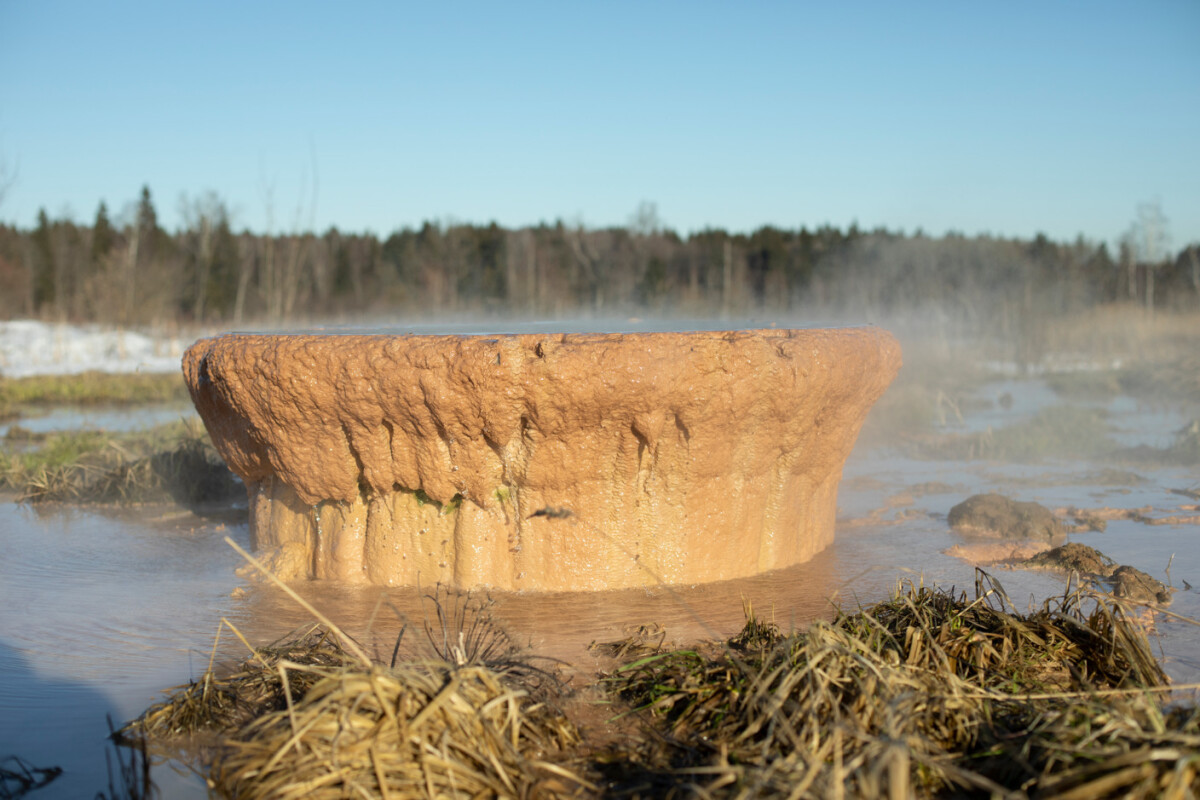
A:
{"x":113,"y":419}
{"x":101,"y":610}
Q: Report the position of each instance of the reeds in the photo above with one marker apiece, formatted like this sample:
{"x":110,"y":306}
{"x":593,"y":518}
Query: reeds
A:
{"x":18,"y":777}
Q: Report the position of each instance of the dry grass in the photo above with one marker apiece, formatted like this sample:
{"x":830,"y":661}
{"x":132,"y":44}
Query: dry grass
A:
{"x":928,"y":693}
{"x":1122,"y":332}
{"x":1053,"y":433}
{"x":273,"y":678}
{"x":174,"y":463}
{"x":312,"y":716}
{"x":1120,"y":348}
{"x":417,"y":730}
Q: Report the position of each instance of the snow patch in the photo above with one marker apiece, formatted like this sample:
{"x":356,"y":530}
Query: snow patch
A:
{"x":29,"y":347}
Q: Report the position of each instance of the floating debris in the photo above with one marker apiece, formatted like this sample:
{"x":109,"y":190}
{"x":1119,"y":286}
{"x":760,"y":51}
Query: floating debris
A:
{"x":642,"y":640}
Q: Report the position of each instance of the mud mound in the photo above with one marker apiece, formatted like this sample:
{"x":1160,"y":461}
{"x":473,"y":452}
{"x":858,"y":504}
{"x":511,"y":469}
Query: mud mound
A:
{"x":1075,"y":557}
{"x":997,"y":515}
{"x":1125,"y":581}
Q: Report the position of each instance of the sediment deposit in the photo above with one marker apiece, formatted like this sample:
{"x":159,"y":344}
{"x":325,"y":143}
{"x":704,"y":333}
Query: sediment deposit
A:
{"x":541,"y":462}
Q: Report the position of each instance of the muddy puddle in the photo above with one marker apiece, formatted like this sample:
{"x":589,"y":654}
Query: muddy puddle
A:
{"x":100,"y":612}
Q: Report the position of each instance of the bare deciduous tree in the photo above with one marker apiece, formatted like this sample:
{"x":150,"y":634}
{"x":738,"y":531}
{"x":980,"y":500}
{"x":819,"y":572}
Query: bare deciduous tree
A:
{"x":8,"y":178}
{"x":1148,"y":239}
{"x":202,"y":217}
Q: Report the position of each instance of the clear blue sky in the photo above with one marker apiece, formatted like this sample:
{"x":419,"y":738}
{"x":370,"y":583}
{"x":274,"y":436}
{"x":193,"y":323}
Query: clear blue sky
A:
{"x":1009,"y":118}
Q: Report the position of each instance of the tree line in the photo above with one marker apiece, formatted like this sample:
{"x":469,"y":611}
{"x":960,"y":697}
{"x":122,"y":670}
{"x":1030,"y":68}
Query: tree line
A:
{"x":134,"y":272}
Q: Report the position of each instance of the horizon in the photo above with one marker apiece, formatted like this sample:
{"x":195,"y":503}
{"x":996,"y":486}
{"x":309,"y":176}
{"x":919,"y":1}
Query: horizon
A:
{"x":947,"y":119}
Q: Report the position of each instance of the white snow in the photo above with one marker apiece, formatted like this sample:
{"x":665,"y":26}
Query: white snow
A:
{"x":29,"y":347}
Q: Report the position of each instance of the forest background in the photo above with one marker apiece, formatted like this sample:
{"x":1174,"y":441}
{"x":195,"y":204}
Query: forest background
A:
{"x":129,"y":271}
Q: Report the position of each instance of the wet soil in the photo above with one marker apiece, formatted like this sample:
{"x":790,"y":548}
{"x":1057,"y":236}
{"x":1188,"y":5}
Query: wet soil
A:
{"x":996,"y":515}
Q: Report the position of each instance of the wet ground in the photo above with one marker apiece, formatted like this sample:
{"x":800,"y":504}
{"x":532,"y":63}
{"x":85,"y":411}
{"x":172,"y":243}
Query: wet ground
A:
{"x":100,"y":611}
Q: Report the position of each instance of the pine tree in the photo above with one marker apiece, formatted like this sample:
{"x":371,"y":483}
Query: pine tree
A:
{"x":147,"y":217}
{"x":43,"y":263}
{"x":147,"y":230}
{"x":104,"y":236}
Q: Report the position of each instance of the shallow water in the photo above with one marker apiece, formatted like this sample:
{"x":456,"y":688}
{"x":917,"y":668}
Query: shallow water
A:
{"x":114,"y":419}
{"x":1134,"y":422}
{"x":99,"y":613}
{"x":484,"y":326}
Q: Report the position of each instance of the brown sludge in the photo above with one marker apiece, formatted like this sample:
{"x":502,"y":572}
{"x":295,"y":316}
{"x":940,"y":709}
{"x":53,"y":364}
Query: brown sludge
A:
{"x":541,"y":462}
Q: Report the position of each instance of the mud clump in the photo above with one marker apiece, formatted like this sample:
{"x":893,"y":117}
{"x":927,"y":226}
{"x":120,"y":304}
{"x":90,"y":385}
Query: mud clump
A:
{"x":1125,"y":581}
{"x":1134,"y":584}
{"x":542,"y":462}
{"x":1075,"y":557}
{"x":999,"y":516}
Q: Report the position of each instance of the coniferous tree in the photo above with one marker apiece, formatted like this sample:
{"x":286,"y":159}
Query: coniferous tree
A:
{"x":43,"y":263}
{"x":104,"y":236}
{"x":147,"y":217}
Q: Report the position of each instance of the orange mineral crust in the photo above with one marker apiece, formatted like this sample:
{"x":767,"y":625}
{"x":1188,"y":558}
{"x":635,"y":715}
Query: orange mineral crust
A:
{"x":540,"y":462}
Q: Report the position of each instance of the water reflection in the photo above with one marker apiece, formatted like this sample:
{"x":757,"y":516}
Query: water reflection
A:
{"x":99,"y":615}
{"x":42,"y":712}
{"x":562,"y":625}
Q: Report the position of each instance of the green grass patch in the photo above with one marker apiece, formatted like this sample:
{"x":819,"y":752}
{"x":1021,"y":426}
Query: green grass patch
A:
{"x":443,"y":509}
{"x":92,"y":388}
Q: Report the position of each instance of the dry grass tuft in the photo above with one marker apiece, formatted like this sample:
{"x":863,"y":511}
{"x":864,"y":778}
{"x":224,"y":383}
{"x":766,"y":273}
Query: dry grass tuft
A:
{"x":417,"y":730}
{"x":928,"y":693}
{"x":312,"y":716}
{"x":274,"y":677}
